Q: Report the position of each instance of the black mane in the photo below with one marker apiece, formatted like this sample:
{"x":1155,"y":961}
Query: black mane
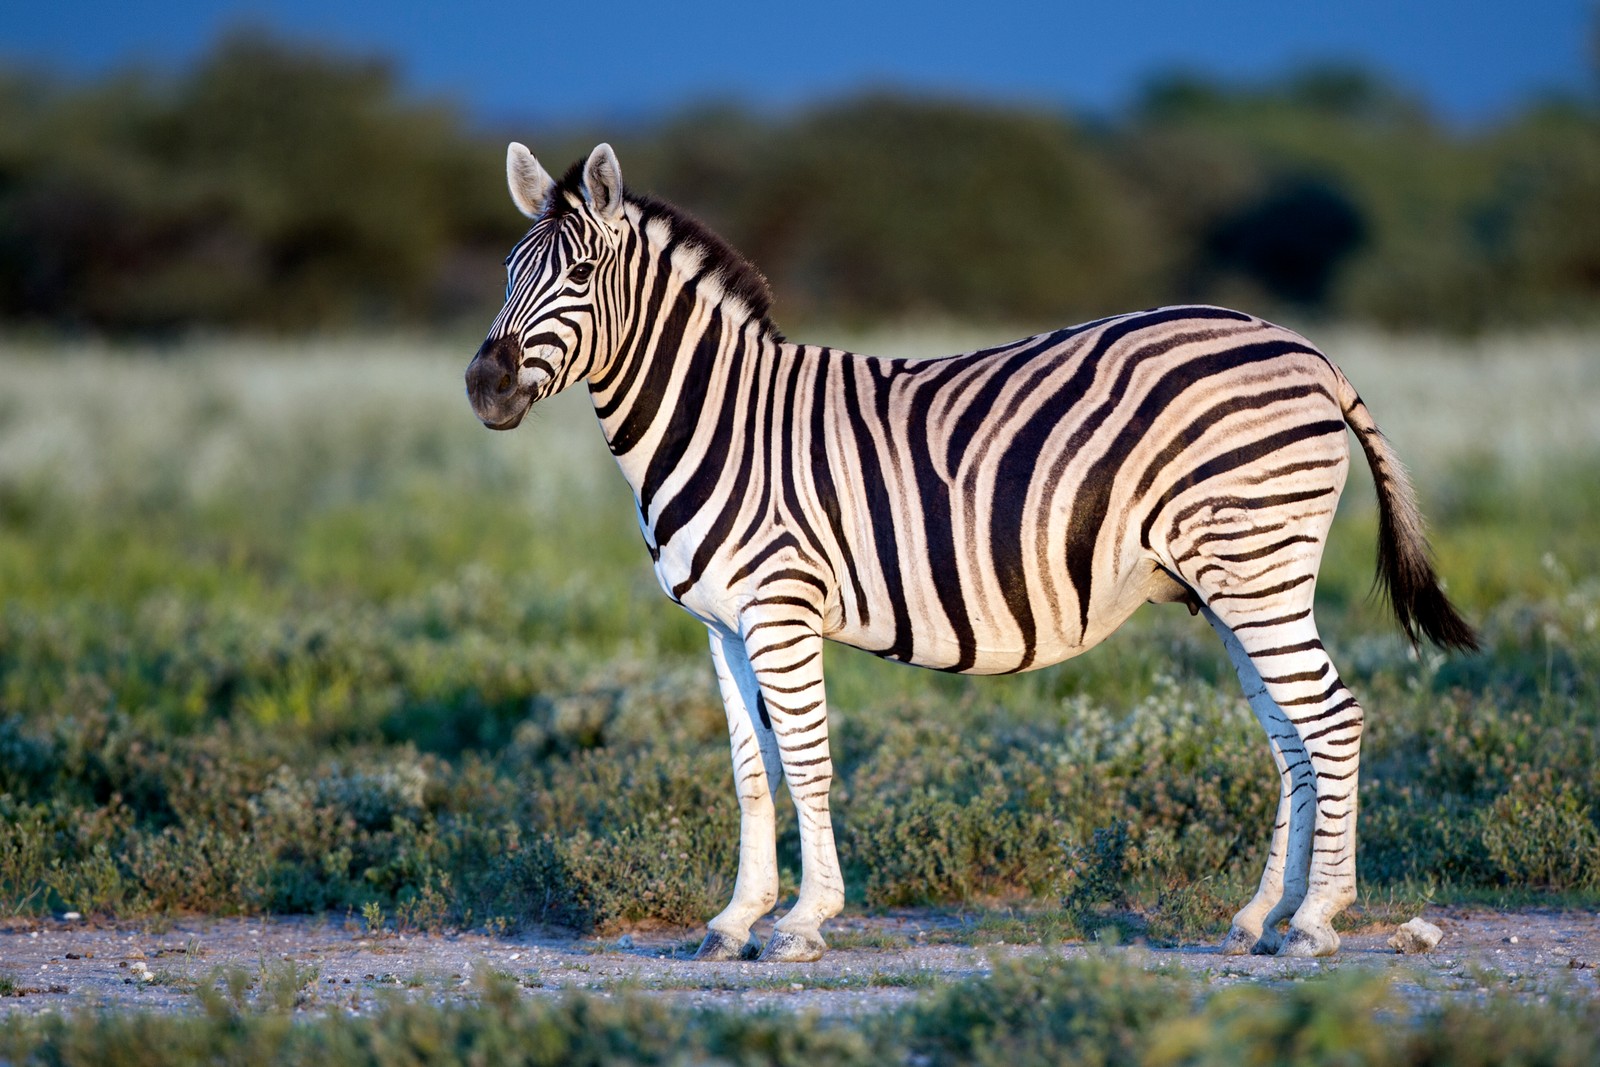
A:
{"x":738,"y":275}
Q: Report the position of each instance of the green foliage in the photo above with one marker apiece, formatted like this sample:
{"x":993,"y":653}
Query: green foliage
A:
{"x":1037,"y":1011}
{"x":888,"y":205}
{"x":1043,"y":1012}
{"x":1539,"y":833}
{"x":1096,"y":874}
{"x":632,"y":839}
{"x":269,"y":185}
{"x":1188,"y":911}
{"x":273,"y":185}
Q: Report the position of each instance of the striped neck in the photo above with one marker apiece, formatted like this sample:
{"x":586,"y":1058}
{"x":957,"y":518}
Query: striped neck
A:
{"x":689,"y":345}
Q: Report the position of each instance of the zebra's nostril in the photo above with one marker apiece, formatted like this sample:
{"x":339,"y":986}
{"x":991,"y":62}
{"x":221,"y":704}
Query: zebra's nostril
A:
{"x":504,"y":384}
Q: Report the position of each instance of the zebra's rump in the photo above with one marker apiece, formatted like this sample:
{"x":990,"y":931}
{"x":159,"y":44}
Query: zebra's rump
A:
{"x":1006,"y":509}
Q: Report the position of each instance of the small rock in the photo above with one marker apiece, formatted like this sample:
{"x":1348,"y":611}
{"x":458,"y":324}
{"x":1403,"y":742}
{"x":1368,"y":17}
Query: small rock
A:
{"x":1416,"y":936}
{"x":70,"y":916}
{"x":797,"y":987}
{"x":1512,"y":940}
{"x":625,"y":942}
{"x":74,"y":956}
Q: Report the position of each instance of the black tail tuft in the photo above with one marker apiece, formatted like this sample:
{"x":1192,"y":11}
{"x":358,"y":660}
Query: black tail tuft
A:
{"x":1405,"y":567}
{"x":1406,"y":574}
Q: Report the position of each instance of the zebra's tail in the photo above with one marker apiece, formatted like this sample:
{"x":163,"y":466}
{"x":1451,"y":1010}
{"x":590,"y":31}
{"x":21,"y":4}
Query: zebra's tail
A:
{"x":1405,"y":564}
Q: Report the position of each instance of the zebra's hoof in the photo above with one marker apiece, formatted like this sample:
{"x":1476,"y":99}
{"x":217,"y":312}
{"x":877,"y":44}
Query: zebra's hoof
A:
{"x":783,"y":947}
{"x":1268,"y":943}
{"x":1238,"y":942}
{"x":720,"y":948}
{"x":1305,"y":944}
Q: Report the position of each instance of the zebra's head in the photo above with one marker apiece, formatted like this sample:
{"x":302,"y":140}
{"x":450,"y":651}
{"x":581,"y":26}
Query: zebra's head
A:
{"x":560,"y":279}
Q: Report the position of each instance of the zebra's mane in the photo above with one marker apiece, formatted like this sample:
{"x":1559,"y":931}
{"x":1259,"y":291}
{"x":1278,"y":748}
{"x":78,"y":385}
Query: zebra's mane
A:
{"x":739,"y":277}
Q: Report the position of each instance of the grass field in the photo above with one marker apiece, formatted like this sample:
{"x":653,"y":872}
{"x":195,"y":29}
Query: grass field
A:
{"x":285,"y":630}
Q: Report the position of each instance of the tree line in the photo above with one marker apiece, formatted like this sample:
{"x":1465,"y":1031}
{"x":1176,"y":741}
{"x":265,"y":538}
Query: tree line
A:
{"x":272,"y":186}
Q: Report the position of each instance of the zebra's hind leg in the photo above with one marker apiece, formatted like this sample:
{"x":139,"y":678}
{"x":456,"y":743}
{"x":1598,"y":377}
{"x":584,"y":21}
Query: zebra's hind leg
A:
{"x":1283,"y":881}
{"x":785,"y":650}
{"x":1282,"y":645}
{"x":755,"y":772}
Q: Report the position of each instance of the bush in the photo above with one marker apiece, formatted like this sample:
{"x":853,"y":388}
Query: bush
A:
{"x":1539,"y":834}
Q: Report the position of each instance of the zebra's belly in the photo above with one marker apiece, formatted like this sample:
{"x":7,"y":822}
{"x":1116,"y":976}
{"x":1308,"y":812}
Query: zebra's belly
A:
{"x":987,"y":650}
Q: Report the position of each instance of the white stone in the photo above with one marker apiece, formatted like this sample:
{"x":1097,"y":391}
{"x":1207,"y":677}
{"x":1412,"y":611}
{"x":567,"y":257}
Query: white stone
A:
{"x":1416,"y":936}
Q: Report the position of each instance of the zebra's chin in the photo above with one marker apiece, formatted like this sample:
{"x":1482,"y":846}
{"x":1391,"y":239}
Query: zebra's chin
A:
{"x":508,"y":424}
{"x":504,"y":412}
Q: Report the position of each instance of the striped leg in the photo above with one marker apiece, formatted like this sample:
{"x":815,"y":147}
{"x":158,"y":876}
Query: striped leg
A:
{"x":785,"y":649}
{"x":755,"y":772}
{"x":1283,"y":881}
{"x":1301,"y":682}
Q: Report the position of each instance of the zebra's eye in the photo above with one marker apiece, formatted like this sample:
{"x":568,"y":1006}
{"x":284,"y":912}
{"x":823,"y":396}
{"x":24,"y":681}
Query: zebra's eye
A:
{"x":580,"y":272}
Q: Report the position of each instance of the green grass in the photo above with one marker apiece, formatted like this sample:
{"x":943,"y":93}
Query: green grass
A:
{"x":285,"y":630}
{"x":1039,"y":1011}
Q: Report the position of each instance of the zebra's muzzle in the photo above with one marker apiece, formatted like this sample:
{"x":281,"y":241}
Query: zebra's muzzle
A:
{"x":492,"y":385}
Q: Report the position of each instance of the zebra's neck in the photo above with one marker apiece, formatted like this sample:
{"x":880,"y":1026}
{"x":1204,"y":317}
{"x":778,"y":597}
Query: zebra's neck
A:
{"x":692,"y":351}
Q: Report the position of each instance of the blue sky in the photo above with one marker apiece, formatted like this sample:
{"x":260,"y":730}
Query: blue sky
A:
{"x":1472,"y":60}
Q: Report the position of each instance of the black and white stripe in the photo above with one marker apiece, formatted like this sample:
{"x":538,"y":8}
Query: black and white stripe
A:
{"x":990,"y":512}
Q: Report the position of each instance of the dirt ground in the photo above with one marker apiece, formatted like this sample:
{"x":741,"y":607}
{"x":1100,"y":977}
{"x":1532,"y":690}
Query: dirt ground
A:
{"x":879,"y":961}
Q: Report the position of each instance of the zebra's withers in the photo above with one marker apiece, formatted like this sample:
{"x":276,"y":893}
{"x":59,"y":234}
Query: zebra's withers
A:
{"x":989,"y":512}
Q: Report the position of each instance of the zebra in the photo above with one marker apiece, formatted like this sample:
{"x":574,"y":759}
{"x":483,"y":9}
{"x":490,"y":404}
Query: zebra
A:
{"x":986,"y":513}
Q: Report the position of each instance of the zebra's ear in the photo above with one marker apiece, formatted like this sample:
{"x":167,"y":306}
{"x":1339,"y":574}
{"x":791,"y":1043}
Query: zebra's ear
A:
{"x":529,"y":183}
{"x":602,"y":183}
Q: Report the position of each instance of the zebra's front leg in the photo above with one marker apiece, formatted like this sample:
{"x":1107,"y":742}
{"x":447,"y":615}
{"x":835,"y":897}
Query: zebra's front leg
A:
{"x":785,"y":651}
{"x":1284,"y":878}
{"x":755,"y":772}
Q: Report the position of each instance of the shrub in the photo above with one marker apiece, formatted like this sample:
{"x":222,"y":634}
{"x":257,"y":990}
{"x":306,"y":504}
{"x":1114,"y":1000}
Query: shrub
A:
{"x":1538,"y":833}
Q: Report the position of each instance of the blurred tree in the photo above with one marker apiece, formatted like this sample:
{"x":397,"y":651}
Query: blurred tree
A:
{"x":284,"y":187}
{"x":1292,"y":240}
{"x":272,"y":186}
{"x":892,"y":206}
